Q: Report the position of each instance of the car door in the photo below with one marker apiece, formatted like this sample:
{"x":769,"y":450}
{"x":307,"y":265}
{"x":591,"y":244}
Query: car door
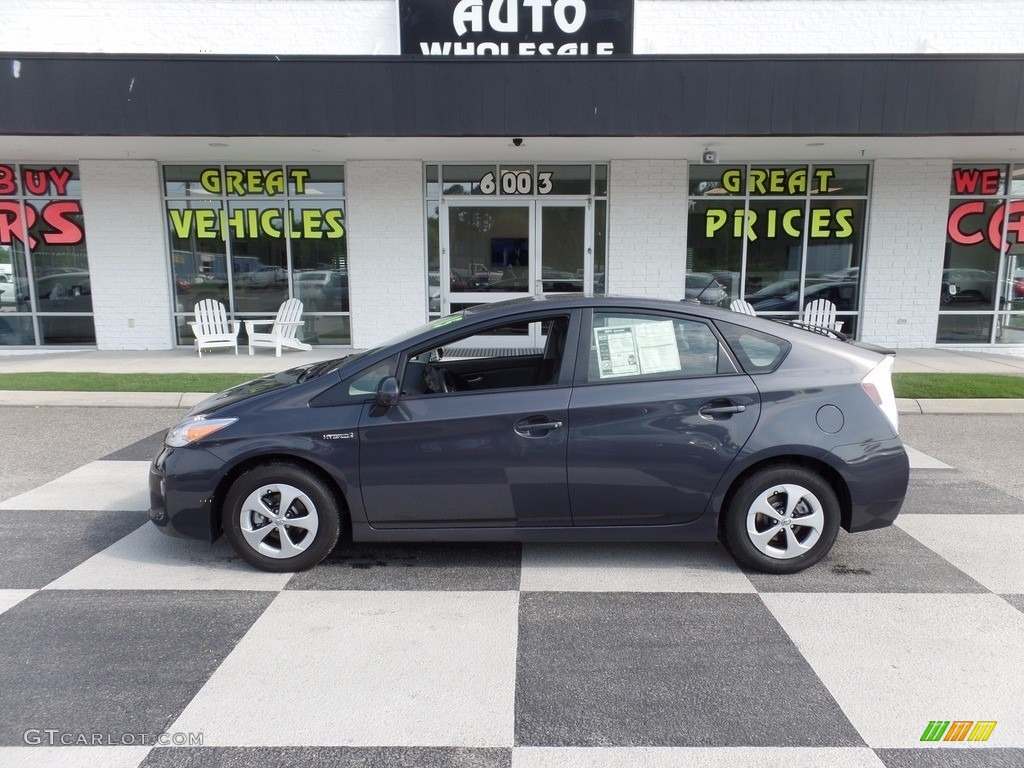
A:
{"x":473,"y":458}
{"x":658,"y":413}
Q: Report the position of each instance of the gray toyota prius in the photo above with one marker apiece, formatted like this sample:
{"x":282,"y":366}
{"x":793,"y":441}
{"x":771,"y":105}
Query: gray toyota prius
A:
{"x":566,"y":418}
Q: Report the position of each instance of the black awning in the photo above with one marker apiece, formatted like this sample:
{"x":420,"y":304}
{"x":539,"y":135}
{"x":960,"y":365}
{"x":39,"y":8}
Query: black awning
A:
{"x":388,"y":96}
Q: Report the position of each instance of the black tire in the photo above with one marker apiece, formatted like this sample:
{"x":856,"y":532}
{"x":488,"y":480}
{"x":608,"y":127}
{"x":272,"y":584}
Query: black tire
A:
{"x":776,"y":499}
{"x":261,"y":538}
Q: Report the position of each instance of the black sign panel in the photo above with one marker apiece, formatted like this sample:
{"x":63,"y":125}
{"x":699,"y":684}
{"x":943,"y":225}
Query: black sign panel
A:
{"x":516,"y":28}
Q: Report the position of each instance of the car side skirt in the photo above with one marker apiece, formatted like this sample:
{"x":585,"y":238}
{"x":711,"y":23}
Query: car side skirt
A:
{"x":703,"y":529}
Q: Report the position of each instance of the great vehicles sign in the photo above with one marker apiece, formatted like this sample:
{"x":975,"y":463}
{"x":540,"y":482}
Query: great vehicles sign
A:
{"x":516,"y":28}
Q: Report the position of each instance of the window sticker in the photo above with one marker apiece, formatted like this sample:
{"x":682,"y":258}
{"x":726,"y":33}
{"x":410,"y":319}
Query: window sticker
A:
{"x":657,"y":345}
{"x":640,"y":348}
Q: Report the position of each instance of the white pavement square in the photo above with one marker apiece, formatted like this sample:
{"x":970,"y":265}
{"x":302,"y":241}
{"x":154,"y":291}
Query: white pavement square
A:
{"x":896,"y":662}
{"x":979,"y":545}
{"x":99,"y":485}
{"x":148,"y":558}
{"x":624,"y":567}
{"x":366,"y":669}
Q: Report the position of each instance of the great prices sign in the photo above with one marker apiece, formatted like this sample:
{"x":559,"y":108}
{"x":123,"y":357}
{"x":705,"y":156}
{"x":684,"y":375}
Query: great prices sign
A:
{"x":516,"y":28}
{"x":972,"y":222}
{"x":48,"y":221}
{"x":779,"y":219}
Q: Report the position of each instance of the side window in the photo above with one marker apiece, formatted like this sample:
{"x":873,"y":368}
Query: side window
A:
{"x":626,"y":346}
{"x":525,"y":353}
{"x":757,"y":352}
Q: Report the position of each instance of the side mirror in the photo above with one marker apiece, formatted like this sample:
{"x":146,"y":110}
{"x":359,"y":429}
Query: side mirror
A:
{"x":387,"y":392}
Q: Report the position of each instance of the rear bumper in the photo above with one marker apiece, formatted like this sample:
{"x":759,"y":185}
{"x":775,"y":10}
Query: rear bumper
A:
{"x":877,"y":475}
{"x":181,"y":494}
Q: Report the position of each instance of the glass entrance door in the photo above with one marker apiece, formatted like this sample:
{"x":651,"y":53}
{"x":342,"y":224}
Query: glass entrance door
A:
{"x":496,"y":250}
{"x":564,"y":262}
{"x":486,"y":253}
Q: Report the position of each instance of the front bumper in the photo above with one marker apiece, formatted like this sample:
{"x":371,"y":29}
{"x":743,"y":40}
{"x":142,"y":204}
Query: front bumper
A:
{"x":182,"y":487}
{"x":877,"y":475}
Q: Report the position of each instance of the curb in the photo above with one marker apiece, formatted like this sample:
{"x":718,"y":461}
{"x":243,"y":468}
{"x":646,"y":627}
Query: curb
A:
{"x":904,"y":406}
{"x":103,"y":399}
{"x":954,"y":406}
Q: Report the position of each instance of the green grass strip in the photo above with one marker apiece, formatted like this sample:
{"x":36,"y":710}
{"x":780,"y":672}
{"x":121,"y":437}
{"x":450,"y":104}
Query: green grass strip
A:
{"x":954,"y":385}
{"x":122,"y":382}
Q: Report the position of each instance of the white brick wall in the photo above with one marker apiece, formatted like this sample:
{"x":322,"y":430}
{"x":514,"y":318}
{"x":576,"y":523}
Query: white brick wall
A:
{"x":367,"y":27}
{"x":386,"y":248}
{"x":903,"y":264}
{"x":287,"y":27}
{"x":824,"y":26}
{"x":647,"y":228}
{"x":124,"y":230}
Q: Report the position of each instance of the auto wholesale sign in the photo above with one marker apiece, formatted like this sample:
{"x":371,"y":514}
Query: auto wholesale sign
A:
{"x":516,"y":28}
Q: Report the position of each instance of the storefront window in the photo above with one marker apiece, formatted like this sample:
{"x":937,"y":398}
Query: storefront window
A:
{"x":981,"y":295}
{"x":45,"y":288}
{"x":777,"y":236}
{"x":253,"y":236}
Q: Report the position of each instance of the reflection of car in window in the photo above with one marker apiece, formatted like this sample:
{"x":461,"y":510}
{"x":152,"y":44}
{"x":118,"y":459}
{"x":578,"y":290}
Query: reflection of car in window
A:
{"x":775,"y":290}
{"x":842,"y":294}
{"x":971,"y":284}
{"x":705,"y":288}
{"x":262,"y":276}
{"x":322,"y":290}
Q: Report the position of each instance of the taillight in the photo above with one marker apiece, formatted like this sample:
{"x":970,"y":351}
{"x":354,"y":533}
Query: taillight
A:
{"x":878,"y":386}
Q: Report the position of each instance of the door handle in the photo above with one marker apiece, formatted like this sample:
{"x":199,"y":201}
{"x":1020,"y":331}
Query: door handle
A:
{"x":528,"y":428}
{"x":710,"y":411}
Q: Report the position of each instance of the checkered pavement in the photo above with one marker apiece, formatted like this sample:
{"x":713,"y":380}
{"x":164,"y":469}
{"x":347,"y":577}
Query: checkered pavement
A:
{"x":534,"y":656}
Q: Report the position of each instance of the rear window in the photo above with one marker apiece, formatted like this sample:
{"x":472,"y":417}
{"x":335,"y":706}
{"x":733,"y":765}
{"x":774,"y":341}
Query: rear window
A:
{"x":757,"y":351}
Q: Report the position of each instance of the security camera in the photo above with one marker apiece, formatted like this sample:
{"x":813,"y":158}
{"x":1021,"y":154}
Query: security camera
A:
{"x":517,"y":141}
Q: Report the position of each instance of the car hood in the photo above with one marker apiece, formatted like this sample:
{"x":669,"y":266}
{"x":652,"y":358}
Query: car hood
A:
{"x":270,"y":383}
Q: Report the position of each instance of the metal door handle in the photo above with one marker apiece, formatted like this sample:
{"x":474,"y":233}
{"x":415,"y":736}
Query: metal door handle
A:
{"x":719,"y":410}
{"x":526,"y":429}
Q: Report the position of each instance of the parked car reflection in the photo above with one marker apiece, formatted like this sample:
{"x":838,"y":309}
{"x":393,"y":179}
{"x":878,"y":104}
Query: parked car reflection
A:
{"x":842,"y":294}
{"x":322,"y":290}
{"x":705,"y":288}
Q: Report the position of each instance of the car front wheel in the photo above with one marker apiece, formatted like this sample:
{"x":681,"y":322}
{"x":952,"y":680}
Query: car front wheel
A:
{"x":782,"y":519}
{"x":280,"y":517}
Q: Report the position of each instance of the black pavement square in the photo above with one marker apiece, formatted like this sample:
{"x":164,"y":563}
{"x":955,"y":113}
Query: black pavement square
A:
{"x":460,"y":567}
{"x":657,"y":669}
{"x":327,"y":757}
{"x":114,"y":662}
{"x":949,"y":492}
{"x":145,"y":449}
{"x":953,"y":757}
{"x":43,"y":545}
{"x":1017,"y":601}
{"x":886,"y":560}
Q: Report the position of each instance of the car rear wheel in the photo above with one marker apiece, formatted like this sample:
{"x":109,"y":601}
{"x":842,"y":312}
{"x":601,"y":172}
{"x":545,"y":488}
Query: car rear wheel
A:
{"x":782,"y":519}
{"x":280,"y":517}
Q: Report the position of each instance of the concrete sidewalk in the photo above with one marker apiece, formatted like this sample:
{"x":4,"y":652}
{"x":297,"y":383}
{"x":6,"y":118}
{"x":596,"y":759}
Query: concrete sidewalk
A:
{"x":186,"y":361}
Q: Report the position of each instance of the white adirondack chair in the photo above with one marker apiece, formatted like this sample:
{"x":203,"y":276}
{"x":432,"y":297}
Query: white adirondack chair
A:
{"x":743,"y":307}
{"x":821,"y":313}
{"x":282,"y":332}
{"x":212,"y":327}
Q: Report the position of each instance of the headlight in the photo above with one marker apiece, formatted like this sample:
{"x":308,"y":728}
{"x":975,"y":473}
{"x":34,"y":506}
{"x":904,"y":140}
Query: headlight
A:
{"x":193,"y":429}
